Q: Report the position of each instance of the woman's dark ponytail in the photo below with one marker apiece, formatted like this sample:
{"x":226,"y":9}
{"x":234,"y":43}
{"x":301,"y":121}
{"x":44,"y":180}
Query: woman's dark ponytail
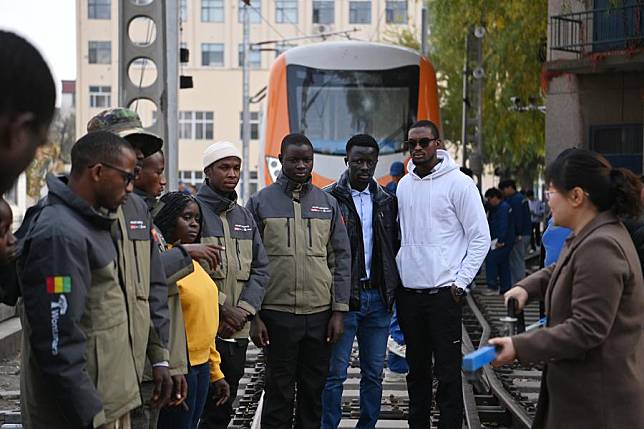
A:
{"x":626,"y":190}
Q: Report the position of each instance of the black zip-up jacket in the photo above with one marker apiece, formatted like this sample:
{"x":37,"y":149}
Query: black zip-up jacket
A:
{"x":386,"y":239}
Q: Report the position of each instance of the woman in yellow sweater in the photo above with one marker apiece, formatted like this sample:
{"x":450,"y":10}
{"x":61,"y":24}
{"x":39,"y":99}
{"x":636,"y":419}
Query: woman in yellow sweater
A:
{"x":180,"y":222}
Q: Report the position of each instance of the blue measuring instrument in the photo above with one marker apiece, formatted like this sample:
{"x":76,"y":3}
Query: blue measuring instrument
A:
{"x":479,"y":358}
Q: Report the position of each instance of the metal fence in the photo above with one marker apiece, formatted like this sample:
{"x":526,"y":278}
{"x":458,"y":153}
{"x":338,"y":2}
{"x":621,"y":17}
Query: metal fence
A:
{"x":598,"y":30}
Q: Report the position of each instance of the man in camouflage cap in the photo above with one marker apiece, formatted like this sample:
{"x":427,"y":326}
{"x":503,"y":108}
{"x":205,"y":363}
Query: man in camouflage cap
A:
{"x":127,"y":124}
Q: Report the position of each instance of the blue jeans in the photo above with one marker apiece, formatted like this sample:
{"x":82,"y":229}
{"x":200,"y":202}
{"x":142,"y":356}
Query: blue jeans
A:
{"x":371,"y":325}
{"x":497,"y":266}
{"x":198,"y":379}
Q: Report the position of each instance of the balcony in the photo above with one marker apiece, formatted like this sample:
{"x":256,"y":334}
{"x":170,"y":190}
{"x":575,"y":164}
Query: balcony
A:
{"x":612,"y":36}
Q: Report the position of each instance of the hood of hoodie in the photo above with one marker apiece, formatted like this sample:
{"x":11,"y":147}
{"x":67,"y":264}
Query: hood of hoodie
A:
{"x":218,"y":202}
{"x":445,"y":165}
{"x":58,"y":189}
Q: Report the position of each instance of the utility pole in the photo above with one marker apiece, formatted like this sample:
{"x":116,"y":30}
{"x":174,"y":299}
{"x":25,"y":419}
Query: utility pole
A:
{"x":472,"y":126}
{"x":246,"y":106}
{"x":423,"y":31}
{"x":162,"y":50}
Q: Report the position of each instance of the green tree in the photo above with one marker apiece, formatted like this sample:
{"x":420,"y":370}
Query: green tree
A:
{"x":515,"y":33}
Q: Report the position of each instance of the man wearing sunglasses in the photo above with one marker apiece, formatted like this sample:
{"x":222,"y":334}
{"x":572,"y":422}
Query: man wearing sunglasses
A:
{"x":444,"y":241}
{"x":78,"y":366}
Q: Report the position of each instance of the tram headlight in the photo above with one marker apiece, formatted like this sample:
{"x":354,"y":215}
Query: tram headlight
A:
{"x":274,"y":167}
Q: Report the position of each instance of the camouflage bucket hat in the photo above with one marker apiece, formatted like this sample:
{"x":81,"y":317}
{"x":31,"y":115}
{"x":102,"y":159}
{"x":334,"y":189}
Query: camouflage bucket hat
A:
{"x":127,"y":124}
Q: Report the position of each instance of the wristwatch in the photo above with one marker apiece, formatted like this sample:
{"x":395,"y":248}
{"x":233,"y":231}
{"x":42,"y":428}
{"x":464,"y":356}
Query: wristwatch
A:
{"x":459,"y":291}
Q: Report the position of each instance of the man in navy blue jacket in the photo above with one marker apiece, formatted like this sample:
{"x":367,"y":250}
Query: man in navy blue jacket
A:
{"x":522,"y":227}
{"x":497,"y":262}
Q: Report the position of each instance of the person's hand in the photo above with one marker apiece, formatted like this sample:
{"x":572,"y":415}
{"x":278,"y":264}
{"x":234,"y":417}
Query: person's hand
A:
{"x":225,"y":330}
{"x":258,"y":332}
{"x":234,"y":317}
{"x":207,"y":252}
{"x":162,"y":386}
{"x":505,"y":351}
{"x":499,"y":245}
{"x":335,"y":328}
{"x":518,"y":293}
{"x":221,"y":392}
{"x":179,"y":391}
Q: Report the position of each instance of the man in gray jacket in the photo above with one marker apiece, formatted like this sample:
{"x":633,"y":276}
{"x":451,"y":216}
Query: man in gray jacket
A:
{"x":308,"y":293}
{"x":242,"y":275}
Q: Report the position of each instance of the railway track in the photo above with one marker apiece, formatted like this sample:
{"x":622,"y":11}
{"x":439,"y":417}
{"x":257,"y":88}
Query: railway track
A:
{"x":503,"y":397}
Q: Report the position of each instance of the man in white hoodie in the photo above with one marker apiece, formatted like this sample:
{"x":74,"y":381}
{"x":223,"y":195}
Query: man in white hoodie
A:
{"x":445,"y":238}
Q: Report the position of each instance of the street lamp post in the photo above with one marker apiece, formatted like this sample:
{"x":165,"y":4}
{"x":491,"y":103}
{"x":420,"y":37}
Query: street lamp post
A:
{"x":246,"y":106}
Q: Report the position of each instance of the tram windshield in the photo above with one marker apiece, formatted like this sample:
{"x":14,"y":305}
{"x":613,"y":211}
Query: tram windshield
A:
{"x":329,"y":106}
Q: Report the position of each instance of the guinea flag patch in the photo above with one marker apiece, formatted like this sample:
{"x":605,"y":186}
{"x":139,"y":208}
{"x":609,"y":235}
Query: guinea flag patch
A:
{"x":59,"y":284}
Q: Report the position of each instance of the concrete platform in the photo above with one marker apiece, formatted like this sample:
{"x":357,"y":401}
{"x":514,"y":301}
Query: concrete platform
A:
{"x":10,"y":330}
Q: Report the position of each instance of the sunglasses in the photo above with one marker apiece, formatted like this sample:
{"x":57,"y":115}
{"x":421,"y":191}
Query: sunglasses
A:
{"x":424,"y":142}
{"x":126,"y":175}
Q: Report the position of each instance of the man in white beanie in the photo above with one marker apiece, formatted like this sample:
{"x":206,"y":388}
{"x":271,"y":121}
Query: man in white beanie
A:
{"x":242,"y":274}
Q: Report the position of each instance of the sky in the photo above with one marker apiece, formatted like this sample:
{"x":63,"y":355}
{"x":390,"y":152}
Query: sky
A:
{"x":51,"y":26}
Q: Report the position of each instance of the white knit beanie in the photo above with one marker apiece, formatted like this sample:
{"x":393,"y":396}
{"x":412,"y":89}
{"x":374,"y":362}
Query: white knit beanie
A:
{"x":219,"y":150}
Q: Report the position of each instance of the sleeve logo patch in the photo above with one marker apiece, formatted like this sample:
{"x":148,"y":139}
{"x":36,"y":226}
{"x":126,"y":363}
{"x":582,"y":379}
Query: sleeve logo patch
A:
{"x":58,"y":308}
{"x":245,"y":228}
{"x":320,"y":209}
{"x":59,"y":284}
{"x":137,"y":224}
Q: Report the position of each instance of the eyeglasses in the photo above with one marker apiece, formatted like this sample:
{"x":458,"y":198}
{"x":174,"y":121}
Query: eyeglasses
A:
{"x":424,"y":142}
{"x":127,"y":176}
{"x":549,"y":193}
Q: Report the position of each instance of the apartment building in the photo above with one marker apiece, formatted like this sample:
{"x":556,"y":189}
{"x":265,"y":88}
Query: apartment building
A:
{"x":594,"y":79}
{"x":212,"y":32}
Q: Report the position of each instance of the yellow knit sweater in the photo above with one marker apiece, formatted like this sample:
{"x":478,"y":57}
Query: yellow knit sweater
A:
{"x":200,"y":304}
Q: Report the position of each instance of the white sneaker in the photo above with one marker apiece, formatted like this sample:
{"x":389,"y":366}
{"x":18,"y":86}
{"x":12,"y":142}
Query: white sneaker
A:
{"x":489,"y":292}
{"x":395,"y":348}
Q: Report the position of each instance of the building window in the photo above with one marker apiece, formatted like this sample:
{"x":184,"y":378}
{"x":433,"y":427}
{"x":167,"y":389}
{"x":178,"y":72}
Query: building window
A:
{"x":99,"y":9}
{"x":183,"y":10}
{"x":194,"y":178}
{"x":323,"y":11}
{"x":254,"y":125}
{"x":255,"y":12}
{"x":396,"y":12}
{"x":360,"y":12}
{"x":254,"y":59}
{"x":212,"y":10}
{"x":286,"y":11}
{"x":282,"y":47}
{"x":620,"y":144}
{"x":212,"y":54}
{"x":100,"y":52}
{"x":100,"y":96}
{"x":196,"y":125}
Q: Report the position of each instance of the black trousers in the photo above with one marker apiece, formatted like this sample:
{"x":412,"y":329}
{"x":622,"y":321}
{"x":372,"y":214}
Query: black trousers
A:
{"x":432,"y":326}
{"x":233,"y":360}
{"x":298,"y":355}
